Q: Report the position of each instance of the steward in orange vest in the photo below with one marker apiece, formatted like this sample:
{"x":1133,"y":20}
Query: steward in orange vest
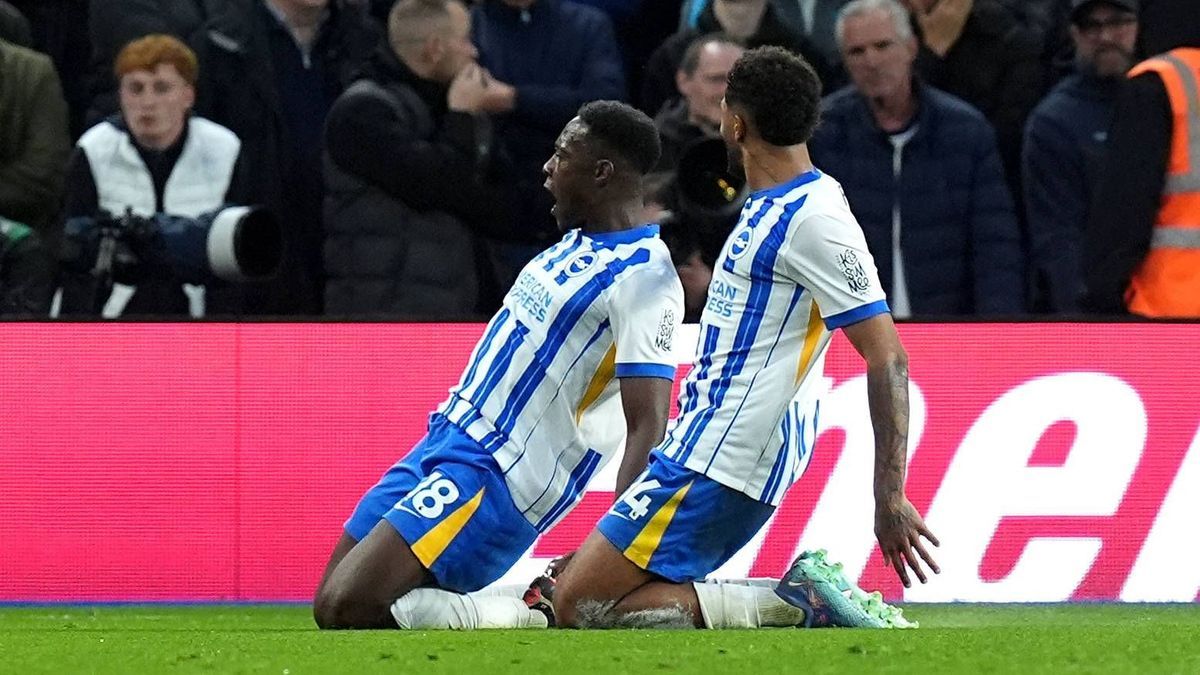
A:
{"x":1167,"y":283}
{"x":1142,"y":252}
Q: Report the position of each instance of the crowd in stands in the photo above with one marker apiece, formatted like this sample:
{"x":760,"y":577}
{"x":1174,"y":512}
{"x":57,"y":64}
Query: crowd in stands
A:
{"x":1005,"y":158}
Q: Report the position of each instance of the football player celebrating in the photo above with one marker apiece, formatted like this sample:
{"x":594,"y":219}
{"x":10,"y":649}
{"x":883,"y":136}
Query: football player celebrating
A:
{"x":506,"y":456}
{"x":795,"y":268}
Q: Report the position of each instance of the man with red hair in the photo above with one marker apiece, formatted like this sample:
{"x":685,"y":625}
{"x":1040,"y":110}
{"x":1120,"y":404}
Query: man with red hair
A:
{"x":154,"y":157}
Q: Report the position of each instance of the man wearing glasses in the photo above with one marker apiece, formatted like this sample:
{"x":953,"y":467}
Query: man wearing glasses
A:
{"x":1064,"y":147}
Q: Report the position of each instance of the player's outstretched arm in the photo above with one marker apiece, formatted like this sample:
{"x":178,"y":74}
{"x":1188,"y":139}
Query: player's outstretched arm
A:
{"x":647,"y":402}
{"x":898,"y":526}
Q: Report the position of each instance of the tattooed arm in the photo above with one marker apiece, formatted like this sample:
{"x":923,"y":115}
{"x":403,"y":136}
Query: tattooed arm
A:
{"x":898,"y":526}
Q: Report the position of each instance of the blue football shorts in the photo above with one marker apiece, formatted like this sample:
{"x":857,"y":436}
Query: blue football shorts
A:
{"x":679,"y":524}
{"x":448,"y":499}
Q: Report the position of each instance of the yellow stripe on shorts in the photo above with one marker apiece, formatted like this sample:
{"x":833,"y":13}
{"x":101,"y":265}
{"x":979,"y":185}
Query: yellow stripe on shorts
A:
{"x":431,"y":544}
{"x":647,"y":541}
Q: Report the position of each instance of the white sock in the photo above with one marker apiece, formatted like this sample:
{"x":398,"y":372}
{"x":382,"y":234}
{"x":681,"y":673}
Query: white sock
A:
{"x":744,"y":603}
{"x":432,"y":608}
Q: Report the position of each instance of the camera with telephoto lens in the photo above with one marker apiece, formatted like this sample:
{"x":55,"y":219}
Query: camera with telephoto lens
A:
{"x":232,"y":244}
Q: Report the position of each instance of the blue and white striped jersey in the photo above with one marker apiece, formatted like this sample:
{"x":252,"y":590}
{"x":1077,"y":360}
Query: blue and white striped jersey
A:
{"x":589,"y":310}
{"x":795,"y":268}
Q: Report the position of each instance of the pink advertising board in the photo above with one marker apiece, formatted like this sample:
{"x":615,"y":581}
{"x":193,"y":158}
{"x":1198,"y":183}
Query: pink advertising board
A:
{"x":216,"y":462}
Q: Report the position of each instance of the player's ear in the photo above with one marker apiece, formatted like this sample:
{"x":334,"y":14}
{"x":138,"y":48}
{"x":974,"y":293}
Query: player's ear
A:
{"x":604,"y":171}
{"x":739,"y":128}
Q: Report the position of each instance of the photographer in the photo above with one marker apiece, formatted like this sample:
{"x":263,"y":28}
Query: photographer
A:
{"x":26,"y":272}
{"x":152,"y":159}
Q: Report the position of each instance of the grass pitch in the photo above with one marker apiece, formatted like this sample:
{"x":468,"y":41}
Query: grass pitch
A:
{"x":282,"y":640}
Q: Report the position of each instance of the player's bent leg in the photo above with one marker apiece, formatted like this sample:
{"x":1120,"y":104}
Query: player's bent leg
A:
{"x":671,"y":528}
{"x":344,"y":543}
{"x":590,"y":596}
{"x":361,"y":589}
{"x":594,"y":591}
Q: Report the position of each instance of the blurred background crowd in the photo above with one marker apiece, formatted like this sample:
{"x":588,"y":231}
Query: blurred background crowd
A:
{"x":1005,"y":158}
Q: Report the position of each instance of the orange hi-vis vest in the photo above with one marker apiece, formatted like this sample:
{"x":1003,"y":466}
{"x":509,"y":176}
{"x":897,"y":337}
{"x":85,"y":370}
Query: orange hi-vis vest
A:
{"x":1167,"y":283}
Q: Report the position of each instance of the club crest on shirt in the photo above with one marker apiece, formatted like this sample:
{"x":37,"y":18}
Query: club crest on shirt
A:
{"x":666,"y":331}
{"x":741,"y":243}
{"x":581,"y":263}
{"x":852,"y":269}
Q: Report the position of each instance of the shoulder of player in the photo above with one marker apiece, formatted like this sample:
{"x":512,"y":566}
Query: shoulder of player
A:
{"x":824,"y":201}
{"x":649,"y":260}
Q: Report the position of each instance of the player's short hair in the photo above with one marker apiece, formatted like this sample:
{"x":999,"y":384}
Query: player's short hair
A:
{"x":151,"y":51}
{"x":411,"y":21}
{"x":780,"y":91}
{"x":691,"y":57}
{"x":625,"y":130}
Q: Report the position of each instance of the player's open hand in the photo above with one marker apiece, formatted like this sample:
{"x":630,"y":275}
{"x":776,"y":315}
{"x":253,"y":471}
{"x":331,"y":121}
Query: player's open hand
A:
{"x":900,"y":529}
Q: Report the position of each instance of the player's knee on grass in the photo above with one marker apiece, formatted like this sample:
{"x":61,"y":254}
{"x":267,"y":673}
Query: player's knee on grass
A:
{"x":338,"y":606}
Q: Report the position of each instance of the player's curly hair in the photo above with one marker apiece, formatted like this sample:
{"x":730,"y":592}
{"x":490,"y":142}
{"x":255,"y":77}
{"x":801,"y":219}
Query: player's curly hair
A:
{"x":780,"y":91}
{"x":625,"y":130}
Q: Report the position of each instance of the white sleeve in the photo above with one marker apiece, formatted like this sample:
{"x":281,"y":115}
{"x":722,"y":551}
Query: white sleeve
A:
{"x":827,"y":254}
{"x":646,"y":309}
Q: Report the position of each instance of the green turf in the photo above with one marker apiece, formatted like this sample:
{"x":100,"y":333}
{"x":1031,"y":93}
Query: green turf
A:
{"x":281,"y":640}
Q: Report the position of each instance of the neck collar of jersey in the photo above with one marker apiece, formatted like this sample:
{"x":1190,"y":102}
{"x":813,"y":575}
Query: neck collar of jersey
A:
{"x":784,"y":188}
{"x":622,"y":236}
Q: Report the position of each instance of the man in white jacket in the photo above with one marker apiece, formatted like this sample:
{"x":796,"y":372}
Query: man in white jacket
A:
{"x":155,"y":157}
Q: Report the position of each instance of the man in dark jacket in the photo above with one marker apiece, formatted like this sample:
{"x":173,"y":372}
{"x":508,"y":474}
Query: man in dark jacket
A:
{"x":1064,"y":147}
{"x":921,"y":172}
{"x":270,"y":72}
{"x":409,"y":154}
{"x":547,"y":58}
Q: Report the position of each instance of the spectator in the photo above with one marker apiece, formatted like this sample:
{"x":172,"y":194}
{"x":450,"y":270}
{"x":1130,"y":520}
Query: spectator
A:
{"x":14,"y":27}
{"x":272,"y":69}
{"x":26,"y":272}
{"x":33,"y":138}
{"x":152,"y":158}
{"x":754,"y":23}
{"x":1064,"y":146}
{"x":546,"y":59}
{"x":921,"y":172}
{"x":408,"y":158}
{"x":981,"y":52}
{"x":1143,"y":248}
{"x":701,"y":82}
